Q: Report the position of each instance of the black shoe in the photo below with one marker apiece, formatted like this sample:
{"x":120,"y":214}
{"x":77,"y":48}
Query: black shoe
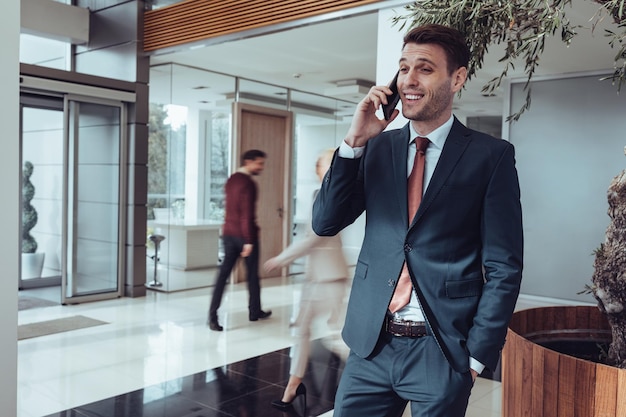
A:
{"x":214,"y":325}
{"x":262,"y":315}
{"x":282,"y":405}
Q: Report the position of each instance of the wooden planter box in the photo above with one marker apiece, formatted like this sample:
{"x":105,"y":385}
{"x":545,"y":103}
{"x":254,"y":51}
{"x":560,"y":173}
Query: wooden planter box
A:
{"x":540,"y":382}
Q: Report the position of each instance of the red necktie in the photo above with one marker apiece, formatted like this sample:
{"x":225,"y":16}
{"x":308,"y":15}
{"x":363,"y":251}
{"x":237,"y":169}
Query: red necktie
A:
{"x":415,"y":184}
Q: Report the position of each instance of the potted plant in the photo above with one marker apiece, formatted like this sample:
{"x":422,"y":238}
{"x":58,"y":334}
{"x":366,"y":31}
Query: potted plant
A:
{"x":32,"y":261}
{"x":536,"y":380}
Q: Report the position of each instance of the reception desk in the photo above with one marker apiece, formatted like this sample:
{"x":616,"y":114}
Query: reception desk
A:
{"x":189,"y":244}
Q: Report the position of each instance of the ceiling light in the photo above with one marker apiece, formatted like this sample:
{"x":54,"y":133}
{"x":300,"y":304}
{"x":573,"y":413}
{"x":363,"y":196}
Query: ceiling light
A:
{"x":351,"y":90}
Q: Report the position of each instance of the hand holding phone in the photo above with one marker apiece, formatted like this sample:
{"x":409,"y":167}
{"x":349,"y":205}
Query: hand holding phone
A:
{"x":392,"y":99}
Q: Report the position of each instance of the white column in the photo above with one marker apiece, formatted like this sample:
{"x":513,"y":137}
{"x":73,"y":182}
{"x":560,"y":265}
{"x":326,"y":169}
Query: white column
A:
{"x":388,"y":53}
{"x":192,"y":150}
{"x":9,"y":211}
{"x":197,"y":164}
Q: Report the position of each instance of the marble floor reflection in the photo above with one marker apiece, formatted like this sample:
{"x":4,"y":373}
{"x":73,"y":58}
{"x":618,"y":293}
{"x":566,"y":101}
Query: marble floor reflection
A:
{"x":244,"y":388}
{"x":156,"y":357}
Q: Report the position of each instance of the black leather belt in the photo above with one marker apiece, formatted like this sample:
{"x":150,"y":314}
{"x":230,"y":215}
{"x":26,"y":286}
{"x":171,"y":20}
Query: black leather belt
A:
{"x":406,"y":328}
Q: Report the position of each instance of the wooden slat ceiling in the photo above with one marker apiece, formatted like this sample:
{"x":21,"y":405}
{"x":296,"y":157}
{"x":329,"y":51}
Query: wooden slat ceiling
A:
{"x":196,"y":20}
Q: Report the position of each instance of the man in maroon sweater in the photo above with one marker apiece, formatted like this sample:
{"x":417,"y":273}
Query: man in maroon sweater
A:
{"x":240,"y":235}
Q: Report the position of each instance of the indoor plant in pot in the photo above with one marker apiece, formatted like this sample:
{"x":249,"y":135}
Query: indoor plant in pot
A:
{"x":32,"y":261}
{"x":609,"y":277}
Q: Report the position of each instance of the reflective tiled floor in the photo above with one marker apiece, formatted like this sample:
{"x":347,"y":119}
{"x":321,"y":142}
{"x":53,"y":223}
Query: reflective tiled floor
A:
{"x":244,"y":388}
{"x":157,"y":358}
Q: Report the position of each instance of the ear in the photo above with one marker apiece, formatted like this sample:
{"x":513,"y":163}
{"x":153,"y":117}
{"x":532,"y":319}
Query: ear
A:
{"x":458,"y":79}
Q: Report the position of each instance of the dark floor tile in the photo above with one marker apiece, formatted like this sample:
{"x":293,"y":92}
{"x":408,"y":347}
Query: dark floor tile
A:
{"x":256,"y":404}
{"x":135,"y":405}
{"x":241,"y":389}
{"x":272,"y":368}
{"x":259,"y":404}
{"x":216,"y":386}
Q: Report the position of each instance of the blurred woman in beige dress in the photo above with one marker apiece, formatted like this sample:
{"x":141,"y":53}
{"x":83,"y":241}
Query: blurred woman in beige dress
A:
{"x":323,"y":292}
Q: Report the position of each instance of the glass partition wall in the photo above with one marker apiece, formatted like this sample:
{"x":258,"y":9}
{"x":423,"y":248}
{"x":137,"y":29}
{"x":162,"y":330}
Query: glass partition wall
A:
{"x":190,"y":158}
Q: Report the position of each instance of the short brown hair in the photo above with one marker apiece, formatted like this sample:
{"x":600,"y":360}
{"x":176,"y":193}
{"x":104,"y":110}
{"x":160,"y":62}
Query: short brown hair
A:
{"x":251,"y":155}
{"x":451,"y":40}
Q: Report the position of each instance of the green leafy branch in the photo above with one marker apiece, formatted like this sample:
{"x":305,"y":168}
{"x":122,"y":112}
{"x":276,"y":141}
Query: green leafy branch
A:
{"x":522,"y":26}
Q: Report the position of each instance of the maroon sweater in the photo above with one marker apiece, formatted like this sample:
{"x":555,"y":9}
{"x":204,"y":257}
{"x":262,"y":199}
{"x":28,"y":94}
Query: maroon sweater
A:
{"x":240,"y":218}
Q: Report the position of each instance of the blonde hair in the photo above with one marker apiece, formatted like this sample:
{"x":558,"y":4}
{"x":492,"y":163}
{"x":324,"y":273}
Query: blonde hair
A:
{"x":326,"y":154}
{"x":323,"y":162}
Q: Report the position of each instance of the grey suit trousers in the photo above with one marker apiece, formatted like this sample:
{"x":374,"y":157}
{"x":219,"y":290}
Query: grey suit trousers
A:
{"x":402,"y":369}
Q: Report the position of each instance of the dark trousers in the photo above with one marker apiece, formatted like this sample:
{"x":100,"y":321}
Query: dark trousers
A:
{"x":232,"y":252}
{"x":400,"y":370}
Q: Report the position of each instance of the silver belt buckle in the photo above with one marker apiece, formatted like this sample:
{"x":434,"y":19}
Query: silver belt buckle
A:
{"x":391,"y":321}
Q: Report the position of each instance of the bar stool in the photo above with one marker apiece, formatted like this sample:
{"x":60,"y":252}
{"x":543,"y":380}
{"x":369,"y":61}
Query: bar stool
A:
{"x":156,"y":239}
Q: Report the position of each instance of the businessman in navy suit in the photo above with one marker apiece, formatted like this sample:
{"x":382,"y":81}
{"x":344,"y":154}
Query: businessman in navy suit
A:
{"x":461,"y":254}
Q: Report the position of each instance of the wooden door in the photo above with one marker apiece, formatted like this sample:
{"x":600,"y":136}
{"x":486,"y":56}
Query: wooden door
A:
{"x":269,"y":130}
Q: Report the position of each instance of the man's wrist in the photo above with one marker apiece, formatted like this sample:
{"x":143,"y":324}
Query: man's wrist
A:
{"x":476,"y":365}
{"x":348,"y":152}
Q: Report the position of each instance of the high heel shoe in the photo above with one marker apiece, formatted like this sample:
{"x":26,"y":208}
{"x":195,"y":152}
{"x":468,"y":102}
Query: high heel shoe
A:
{"x":300,"y":391}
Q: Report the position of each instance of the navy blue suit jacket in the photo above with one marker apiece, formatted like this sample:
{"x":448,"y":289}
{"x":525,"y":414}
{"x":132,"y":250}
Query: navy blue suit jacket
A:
{"x":463,"y":249}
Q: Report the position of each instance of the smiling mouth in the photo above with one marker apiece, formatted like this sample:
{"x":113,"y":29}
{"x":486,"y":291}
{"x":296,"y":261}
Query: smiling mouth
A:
{"x":413,"y":96}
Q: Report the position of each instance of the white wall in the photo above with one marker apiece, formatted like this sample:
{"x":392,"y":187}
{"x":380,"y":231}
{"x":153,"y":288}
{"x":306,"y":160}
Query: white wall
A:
{"x":569,"y":146}
{"x":9,"y":218}
{"x":311,"y":141}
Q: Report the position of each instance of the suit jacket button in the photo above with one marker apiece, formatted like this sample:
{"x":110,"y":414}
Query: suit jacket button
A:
{"x":407,"y":247}
{"x":391,"y":283}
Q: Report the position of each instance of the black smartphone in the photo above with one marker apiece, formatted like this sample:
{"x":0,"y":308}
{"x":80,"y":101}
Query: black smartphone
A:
{"x":393,"y":98}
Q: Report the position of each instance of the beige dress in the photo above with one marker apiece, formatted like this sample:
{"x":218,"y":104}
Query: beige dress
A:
{"x":324,"y":290}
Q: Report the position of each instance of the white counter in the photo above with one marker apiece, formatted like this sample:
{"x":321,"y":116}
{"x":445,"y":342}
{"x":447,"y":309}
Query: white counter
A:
{"x":188,"y":244}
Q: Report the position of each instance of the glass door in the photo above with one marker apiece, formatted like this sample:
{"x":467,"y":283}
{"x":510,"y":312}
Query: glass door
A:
{"x":93,"y":224}
{"x":42,"y":144}
{"x":74,"y":172}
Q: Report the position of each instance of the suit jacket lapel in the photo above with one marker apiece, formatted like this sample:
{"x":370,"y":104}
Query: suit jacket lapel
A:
{"x":457,"y":141}
{"x":400,"y":150}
